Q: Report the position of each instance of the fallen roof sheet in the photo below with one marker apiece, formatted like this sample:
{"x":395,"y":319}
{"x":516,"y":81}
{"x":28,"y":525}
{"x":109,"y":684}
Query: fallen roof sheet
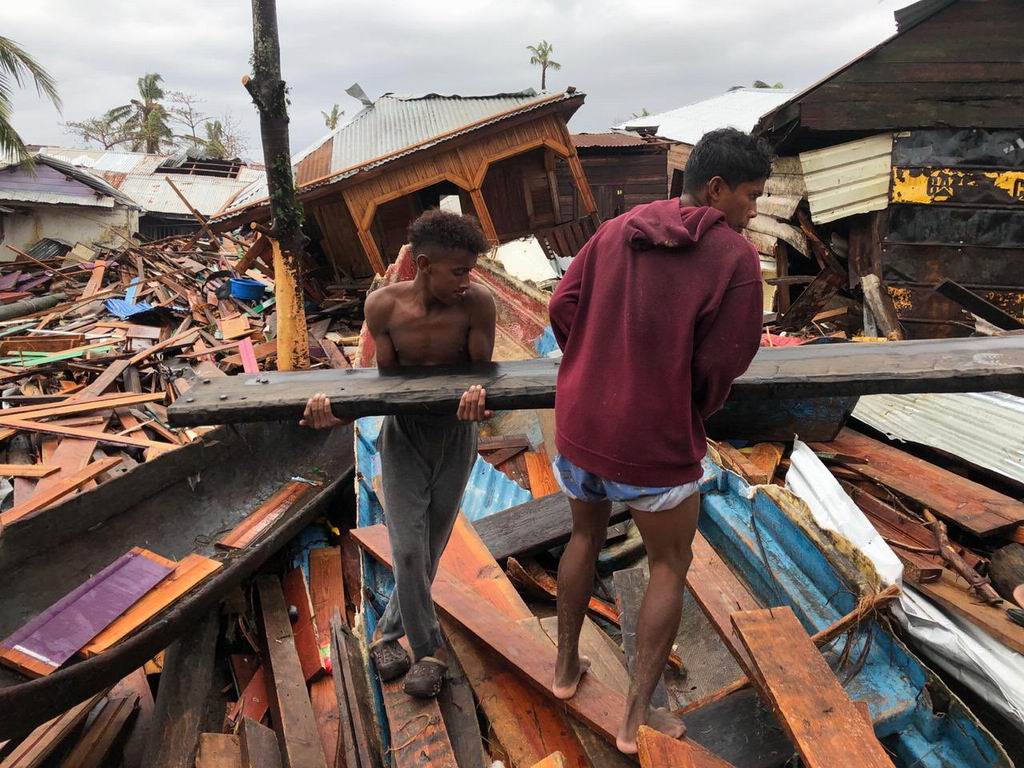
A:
{"x":848,"y":178}
{"x":80,"y":175}
{"x":739,"y":108}
{"x":985,"y":429}
{"x":398,"y":125}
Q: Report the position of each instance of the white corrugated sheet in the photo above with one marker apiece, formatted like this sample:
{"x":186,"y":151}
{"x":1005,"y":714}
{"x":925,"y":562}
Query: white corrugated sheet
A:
{"x":526,"y":259}
{"x":848,"y":178}
{"x":985,"y":429}
{"x":740,"y":108}
{"x":961,"y":648}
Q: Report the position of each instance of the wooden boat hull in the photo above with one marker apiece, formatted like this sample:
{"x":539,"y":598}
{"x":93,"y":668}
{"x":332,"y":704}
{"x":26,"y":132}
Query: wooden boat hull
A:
{"x":176,"y":508}
{"x":774,"y":545}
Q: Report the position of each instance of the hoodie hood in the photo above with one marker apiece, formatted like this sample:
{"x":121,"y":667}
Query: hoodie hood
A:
{"x":665,"y":224}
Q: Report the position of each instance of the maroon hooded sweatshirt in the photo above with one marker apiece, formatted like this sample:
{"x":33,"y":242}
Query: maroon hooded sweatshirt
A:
{"x":656,"y":316}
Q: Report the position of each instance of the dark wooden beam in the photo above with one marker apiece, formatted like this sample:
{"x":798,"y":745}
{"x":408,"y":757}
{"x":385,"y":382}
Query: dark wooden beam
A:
{"x":976,"y":305}
{"x":816,"y":370}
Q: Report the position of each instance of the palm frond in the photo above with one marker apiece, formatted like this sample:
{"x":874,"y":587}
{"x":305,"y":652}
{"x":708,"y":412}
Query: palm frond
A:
{"x":554,"y":65}
{"x":20,"y":65}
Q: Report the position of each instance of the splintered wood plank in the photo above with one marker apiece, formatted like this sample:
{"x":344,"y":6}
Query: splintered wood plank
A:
{"x":76,"y":406}
{"x":355,"y":728}
{"x":304,"y":628}
{"x":811,"y":705}
{"x":719,"y":594}
{"x":533,"y":658}
{"x":35,"y":748}
{"x":42,"y":499}
{"x":99,"y":739}
{"x":656,"y":750}
{"x":254,"y":701}
{"x":264,"y":516}
{"x":327,"y":592}
{"x":527,"y":723}
{"x":234,"y":327}
{"x":54,"y":636}
{"x":951,"y":592}
{"x":187,"y":574}
{"x":25,"y":425}
{"x":459,"y":709}
{"x":630,"y":587}
{"x":136,"y":684}
{"x":735,"y":461}
{"x":542,"y":476}
{"x":259,"y":746}
{"x":27,"y":470}
{"x":418,"y":732}
{"x":766,"y":457}
{"x":219,"y":750}
{"x":957,"y":500}
{"x":289,"y":701}
{"x":186,"y":681}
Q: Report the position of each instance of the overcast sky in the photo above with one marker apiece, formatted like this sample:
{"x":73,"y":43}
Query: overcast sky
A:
{"x":625,"y":56}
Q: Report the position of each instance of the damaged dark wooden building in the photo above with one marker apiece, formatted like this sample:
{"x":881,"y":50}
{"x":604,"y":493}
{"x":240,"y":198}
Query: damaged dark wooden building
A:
{"x":912,"y":156}
{"x":498,"y":156}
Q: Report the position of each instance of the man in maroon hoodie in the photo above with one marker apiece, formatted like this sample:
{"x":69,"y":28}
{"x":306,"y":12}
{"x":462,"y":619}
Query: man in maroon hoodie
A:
{"x":657,"y":315}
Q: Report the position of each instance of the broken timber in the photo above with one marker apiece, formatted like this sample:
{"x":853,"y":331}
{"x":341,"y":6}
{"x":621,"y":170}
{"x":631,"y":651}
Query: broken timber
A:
{"x":808,"y":371}
{"x":596,"y":704}
{"x":792,"y":675}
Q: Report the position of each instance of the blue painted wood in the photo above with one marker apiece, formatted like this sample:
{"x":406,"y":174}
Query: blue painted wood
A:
{"x":783,"y":566}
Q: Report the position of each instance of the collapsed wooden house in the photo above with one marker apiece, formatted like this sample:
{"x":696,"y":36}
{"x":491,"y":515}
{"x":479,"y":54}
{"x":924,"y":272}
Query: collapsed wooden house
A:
{"x":496,"y":155}
{"x":911,"y":161}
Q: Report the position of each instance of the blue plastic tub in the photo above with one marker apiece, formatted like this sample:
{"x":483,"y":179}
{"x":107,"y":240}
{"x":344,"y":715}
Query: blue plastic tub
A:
{"x":247,"y":290}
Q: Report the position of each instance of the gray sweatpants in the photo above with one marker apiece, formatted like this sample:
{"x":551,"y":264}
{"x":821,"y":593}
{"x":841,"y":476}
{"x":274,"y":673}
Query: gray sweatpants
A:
{"x":425,"y":465}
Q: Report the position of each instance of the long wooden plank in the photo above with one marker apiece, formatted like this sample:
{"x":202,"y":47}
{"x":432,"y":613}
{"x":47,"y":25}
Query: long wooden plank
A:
{"x":817,"y":370}
{"x":595,"y":703}
{"x":952,"y":594}
{"x":534,"y":526}
{"x":418,"y":732}
{"x":219,"y":750}
{"x":101,"y":437}
{"x":327,"y":592}
{"x":719,"y":593}
{"x":187,"y":574}
{"x":35,"y":748}
{"x":812,"y":706}
{"x":955,"y":499}
{"x":27,"y":470}
{"x":70,"y":484}
{"x":289,"y":701}
{"x":527,"y":723}
{"x":350,"y":685}
{"x":54,"y":636}
{"x":99,"y":739}
{"x":185,"y":684}
{"x":82,"y":405}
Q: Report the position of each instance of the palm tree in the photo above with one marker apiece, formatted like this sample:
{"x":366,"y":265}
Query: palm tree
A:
{"x":332,"y":118}
{"x":542,"y":55}
{"x":18,"y":66}
{"x":145,"y":118}
{"x":215,"y":145}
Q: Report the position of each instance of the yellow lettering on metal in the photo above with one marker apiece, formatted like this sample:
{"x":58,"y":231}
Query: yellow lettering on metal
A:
{"x":945,"y":185}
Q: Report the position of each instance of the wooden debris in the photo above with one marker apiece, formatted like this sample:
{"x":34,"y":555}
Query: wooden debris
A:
{"x":656,"y":750}
{"x":137,"y":685}
{"x":304,"y":628}
{"x":264,"y":517}
{"x":218,"y":750}
{"x":35,"y":748}
{"x":289,"y":701}
{"x":186,"y":681}
{"x":979,"y":584}
{"x":349,"y":684}
{"x":258,"y":746}
{"x":814,"y":709}
{"x":103,"y":733}
{"x":68,"y":486}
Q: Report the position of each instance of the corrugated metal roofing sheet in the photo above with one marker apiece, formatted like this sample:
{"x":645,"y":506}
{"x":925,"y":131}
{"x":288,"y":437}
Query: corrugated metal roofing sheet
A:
{"x":849,"y":178}
{"x":611,"y":139}
{"x":378,"y":134}
{"x":740,"y":108}
{"x":206,"y":194}
{"x":983,"y":428}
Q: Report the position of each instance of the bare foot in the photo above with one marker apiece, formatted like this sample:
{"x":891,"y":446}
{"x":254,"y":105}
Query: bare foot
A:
{"x":659,"y":719}
{"x":565,"y":687}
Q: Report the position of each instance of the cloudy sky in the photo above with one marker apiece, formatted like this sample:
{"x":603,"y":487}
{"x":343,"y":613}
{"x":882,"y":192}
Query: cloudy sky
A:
{"x":625,"y":56}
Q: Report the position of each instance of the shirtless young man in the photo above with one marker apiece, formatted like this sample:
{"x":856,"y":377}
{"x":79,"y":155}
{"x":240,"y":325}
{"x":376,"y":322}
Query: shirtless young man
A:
{"x":438,"y":318}
{"x":656,"y":316}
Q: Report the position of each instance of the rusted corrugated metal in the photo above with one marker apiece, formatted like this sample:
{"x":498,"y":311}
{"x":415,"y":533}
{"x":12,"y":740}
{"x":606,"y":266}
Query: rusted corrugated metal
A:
{"x":849,"y":178}
{"x":611,"y":139}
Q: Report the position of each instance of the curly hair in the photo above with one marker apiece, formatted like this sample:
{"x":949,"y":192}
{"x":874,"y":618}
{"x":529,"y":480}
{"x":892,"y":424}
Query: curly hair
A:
{"x":734,"y":155}
{"x":448,"y":230}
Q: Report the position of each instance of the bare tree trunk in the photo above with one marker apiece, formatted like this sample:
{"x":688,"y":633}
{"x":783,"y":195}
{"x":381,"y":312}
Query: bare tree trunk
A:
{"x":270,"y":97}
{"x":543,"y":77}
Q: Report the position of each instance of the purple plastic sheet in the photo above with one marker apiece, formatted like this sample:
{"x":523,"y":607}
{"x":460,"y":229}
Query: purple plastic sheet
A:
{"x":59,"y":632}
